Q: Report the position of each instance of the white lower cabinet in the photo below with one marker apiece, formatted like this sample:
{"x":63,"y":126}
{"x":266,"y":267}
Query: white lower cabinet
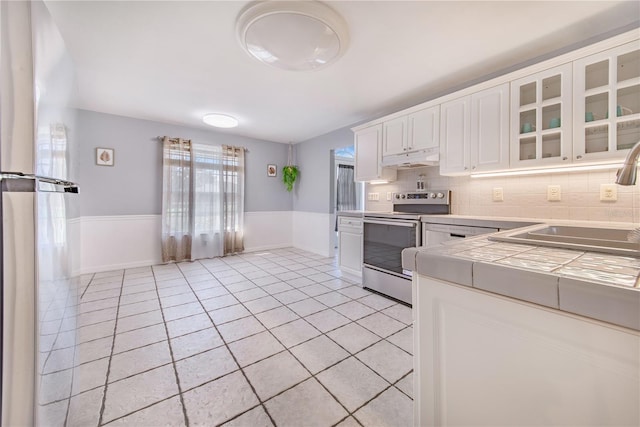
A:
{"x":482,"y":359}
{"x":350,"y":245}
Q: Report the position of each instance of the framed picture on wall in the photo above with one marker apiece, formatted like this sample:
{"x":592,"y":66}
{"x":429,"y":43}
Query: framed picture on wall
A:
{"x":104,"y":156}
{"x":272,"y":170}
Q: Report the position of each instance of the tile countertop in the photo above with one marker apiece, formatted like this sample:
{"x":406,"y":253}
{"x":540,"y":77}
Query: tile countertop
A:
{"x":596,"y":285}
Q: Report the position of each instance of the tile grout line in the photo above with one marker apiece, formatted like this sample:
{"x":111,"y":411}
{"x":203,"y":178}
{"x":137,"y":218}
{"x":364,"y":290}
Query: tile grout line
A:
{"x":173,"y":359}
{"x":231,"y":353}
{"x":113,"y":343}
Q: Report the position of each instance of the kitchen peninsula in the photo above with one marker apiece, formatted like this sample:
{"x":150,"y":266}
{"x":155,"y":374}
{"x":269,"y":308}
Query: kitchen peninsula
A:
{"x":515,"y":334}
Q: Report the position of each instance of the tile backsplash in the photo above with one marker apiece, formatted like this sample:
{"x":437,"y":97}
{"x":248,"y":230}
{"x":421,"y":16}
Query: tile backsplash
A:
{"x":523,"y":196}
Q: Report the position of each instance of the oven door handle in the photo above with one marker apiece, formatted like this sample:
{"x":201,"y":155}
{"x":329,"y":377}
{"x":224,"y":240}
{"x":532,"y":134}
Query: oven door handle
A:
{"x":410,"y":224}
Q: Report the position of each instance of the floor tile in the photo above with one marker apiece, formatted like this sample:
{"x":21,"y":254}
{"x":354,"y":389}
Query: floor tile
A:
{"x":256,"y":417}
{"x":180,"y":311}
{"x":320,"y":277}
{"x":141,"y":359}
{"x":138,"y":297}
{"x":196,"y":342}
{"x":186,"y":325}
{"x":84,"y":409}
{"x":406,"y":385}
{"x":335,"y":283}
{"x":139,"y":337}
{"x":276,"y":317}
{"x":403,"y":339}
{"x":131,"y":394}
{"x":295,"y":332}
{"x":89,"y":306}
{"x":314,"y":407}
{"x":327,"y":320}
{"x":391,"y":408}
{"x":353,"y":310}
{"x":144,"y":287}
{"x":315,"y":289}
{"x":287,"y":275}
{"x":138,"y":307}
{"x":165,"y":413}
{"x":332,"y":299}
{"x":277,"y":288}
{"x":300,"y":282}
{"x":138,"y":321}
{"x":90,"y":375}
{"x":289,"y":297}
{"x":256,"y":347}
{"x":204,"y":367}
{"x":93,"y":350}
{"x":319,"y":353}
{"x":377,"y":302}
{"x":250,"y":294}
{"x":216,"y":303}
{"x":266,"y":280}
{"x":227,"y":314}
{"x":216,"y":291}
{"x":98,"y":330}
{"x":55,"y":386}
{"x":54,"y":413}
{"x":238,"y":329}
{"x":400,"y":312}
{"x":96,"y":317}
{"x":175,"y":290}
{"x":306,"y":307}
{"x":387,"y":360}
{"x":381,"y":325}
{"x":349,"y":422}
{"x":233,"y":396}
{"x":172,"y":300}
{"x":262,"y":304}
{"x":354,"y":292}
{"x":275,"y":374}
{"x":352,"y":382}
{"x":353,"y":337}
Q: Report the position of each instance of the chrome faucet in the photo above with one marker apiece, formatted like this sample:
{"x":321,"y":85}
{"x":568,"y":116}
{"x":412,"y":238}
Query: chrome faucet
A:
{"x":627,"y":173}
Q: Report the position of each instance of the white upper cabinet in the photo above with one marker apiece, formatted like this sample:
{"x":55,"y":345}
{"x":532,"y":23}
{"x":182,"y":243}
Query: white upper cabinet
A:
{"x":424,"y":129}
{"x":413,"y":132}
{"x":489,"y":139}
{"x":474,"y":132}
{"x":455,"y":158}
{"x":541,"y":116}
{"x":394,"y":136}
{"x":607,"y":103}
{"x":368,"y":150}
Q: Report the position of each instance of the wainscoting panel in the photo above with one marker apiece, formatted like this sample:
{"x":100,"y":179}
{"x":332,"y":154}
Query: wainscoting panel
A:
{"x":312,"y":232}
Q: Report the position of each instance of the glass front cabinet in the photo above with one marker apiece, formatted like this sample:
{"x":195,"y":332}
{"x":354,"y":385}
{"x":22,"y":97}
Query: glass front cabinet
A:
{"x":541,"y":111}
{"x":607,"y":103}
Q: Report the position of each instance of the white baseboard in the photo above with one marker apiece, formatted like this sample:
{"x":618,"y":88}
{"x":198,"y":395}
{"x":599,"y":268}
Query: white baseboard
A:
{"x":128,"y":241}
{"x":312,"y":232}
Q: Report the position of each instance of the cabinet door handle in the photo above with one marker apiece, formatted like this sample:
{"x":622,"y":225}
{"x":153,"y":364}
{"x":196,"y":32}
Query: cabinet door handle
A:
{"x":565,"y":158}
{"x":474,"y":168}
{"x":579,"y":157}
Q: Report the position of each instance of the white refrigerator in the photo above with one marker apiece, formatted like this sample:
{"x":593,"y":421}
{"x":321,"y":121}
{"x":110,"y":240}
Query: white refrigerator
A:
{"x":39,"y":210}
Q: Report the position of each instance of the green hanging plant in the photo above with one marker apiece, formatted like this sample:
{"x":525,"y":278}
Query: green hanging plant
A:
{"x":289,"y":175}
{"x":290,"y":172}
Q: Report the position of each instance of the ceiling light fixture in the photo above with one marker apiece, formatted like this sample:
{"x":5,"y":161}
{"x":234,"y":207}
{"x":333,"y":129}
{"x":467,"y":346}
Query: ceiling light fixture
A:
{"x":565,"y":169}
{"x":292,"y":35}
{"x":220,"y":120}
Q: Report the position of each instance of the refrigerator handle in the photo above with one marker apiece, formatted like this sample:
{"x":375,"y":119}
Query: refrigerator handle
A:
{"x":21,"y":182}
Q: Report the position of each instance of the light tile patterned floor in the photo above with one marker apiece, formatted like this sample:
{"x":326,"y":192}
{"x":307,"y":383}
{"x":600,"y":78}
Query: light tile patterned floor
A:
{"x":261,"y":339}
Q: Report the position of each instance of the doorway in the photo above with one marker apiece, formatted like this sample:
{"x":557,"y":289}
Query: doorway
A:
{"x":347,"y":193}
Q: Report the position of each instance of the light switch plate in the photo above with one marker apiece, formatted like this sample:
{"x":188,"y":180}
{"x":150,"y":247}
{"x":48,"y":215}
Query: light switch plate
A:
{"x":608,"y":192}
{"x":498,"y":194}
{"x":389,"y":196}
{"x":554,"y":193}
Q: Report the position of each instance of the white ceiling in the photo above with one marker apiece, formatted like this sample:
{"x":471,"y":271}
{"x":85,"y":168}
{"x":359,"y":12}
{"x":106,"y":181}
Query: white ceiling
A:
{"x":174,"y":61}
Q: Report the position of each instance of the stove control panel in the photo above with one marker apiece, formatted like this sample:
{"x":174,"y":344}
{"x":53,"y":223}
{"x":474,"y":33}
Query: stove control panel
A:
{"x":435,"y":197}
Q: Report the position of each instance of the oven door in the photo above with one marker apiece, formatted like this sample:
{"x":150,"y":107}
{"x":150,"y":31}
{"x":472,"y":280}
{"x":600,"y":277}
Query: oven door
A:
{"x":384,"y":240}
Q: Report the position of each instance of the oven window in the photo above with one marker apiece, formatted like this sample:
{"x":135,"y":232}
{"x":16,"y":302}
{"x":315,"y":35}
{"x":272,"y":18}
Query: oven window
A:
{"x":383,"y":245}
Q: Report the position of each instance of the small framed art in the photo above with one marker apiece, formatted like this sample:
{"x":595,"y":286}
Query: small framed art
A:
{"x":272,"y":170}
{"x":104,"y":156}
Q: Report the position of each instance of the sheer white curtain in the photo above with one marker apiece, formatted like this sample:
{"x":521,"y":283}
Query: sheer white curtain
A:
{"x":203,"y":200}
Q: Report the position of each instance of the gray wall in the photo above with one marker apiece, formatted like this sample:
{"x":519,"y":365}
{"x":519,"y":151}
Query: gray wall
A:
{"x":133,"y":186}
{"x":313,"y":191}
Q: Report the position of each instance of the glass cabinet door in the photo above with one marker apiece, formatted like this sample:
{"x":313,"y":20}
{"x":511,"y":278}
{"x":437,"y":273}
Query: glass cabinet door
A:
{"x":607,"y":103}
{"x":541,"y":118}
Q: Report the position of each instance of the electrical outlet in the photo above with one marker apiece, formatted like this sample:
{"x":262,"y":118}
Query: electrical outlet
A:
{"x":554,"y":193}
{"x":373,"y":197}
{"x":388,"y":196}
{"x":498,"y":194}
{"x":608,"y":192}
{"x":376,"y":196}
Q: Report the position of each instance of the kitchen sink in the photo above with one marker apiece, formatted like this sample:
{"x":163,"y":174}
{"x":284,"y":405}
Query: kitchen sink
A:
{"x":608,"y":240}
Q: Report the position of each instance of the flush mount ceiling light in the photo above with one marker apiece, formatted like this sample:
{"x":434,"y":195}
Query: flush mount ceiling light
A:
{"x":220,"y":120}
{"x":292,"y":35}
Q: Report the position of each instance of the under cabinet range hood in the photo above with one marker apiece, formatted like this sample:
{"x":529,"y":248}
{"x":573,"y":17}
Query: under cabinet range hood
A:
{"x":420,"y":158}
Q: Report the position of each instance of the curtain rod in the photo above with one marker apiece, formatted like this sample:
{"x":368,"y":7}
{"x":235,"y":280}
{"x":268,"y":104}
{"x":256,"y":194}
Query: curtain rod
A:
{"x":161,"y":138}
